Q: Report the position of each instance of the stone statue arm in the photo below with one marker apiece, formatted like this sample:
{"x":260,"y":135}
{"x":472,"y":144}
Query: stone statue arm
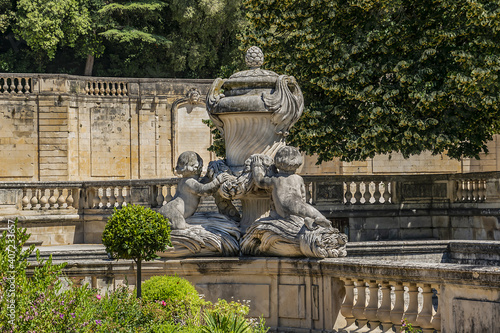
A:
{"x":203,"y":189}
{"x":259,"y":174}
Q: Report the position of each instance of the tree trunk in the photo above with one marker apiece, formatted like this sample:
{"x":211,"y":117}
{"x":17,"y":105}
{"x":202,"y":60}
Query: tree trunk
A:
{"x":138,"y":280}
{"x":89,"y":65}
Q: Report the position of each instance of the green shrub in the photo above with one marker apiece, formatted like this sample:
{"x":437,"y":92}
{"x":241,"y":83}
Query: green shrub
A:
{"x":177,"y":295}
{"x":137,"y":233}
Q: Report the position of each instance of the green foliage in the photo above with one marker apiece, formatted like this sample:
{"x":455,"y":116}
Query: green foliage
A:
{"x":6,"y":14}
{"x":386,"y":76}
{"x":147,"y":38}
{"x":218,"y":144}
{"x":178,"y":297}
{"x":43,"y":303}
{"x":168,"y":38}
{"x":218,"y":323}
{"x":135,"y":232}
{"x":225,"y":316}
{"x":47,"y":24}
{"x":408,"y":328}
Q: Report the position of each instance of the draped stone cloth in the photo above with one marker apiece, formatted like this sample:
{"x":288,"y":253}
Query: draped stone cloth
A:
{"x":275,"y":236}
{"x":209,"y":234}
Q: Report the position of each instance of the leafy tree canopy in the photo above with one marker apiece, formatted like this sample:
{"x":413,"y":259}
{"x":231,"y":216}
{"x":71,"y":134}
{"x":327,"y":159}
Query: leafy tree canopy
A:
{"x":47,"y":24}
{"x":148,"y":38}
{"x":388,"y":75}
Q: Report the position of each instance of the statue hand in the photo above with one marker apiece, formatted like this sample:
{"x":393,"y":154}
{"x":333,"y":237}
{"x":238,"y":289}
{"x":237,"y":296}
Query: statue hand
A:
{"x":221,"y":178}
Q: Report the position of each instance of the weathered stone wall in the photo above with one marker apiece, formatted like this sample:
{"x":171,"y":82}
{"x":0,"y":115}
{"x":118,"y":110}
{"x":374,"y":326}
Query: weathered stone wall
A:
{"x":62,"y":127}
{"x":72,"y":128}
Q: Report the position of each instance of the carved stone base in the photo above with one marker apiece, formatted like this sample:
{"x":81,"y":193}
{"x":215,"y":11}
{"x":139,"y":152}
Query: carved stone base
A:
{"x":209,"y":234}
{"x":274,"y":236}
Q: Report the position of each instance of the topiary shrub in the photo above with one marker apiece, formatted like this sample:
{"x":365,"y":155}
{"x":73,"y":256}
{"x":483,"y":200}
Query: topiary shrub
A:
{"x":177,"y":295}
{"x":137,"y":233}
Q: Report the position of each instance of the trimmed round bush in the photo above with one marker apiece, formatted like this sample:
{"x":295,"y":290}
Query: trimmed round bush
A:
{"x":177,"y":295}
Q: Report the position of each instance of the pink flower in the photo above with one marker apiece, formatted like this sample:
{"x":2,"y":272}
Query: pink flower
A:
{"x":163,"y":303}
{"x":98,"y":297}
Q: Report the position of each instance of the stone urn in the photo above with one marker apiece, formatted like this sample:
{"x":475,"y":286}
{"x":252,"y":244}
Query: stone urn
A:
{"x":253,"y":110}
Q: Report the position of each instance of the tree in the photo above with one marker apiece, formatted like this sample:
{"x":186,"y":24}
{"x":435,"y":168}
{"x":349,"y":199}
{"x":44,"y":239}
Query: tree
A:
{"x":386,"y":76}
{"x":46,"y":25}
{"x":146,"y":38}
{"x":174,"y":38}
{"x":138,"y":233}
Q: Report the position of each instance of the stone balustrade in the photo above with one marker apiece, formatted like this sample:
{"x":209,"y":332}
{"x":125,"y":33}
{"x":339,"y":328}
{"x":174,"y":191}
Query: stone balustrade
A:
{"x":391,"y":189}
{"x":106,"y":88}
{"x":16,"y":84}
{"x":379,"y":207}
{"x":372,"y":305}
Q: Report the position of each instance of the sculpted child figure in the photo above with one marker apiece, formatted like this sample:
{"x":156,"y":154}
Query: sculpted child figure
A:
{"x":288,"y":189}
{"x":189,"y":190}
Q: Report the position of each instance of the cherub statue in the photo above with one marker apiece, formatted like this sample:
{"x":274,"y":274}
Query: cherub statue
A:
{"x":288,"y":189}
{"x":189,"y":190}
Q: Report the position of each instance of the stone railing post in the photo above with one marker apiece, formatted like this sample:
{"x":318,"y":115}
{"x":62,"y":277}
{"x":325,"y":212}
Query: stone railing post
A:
{"x":384,"y":312}
{"x":359,"y":308}
{"x":347,"y":305}
{"x":424,"y":317}
{"x":399,"y":305}
{"x":372,"y":307}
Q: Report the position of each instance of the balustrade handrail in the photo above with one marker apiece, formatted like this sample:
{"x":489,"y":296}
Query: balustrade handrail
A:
{"x":417,"y":177}
{"x":90,"y":183}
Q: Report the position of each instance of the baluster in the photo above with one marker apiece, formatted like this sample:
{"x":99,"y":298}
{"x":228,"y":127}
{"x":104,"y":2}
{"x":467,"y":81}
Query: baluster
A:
{"x":101,"y":88}
{"x":104,"y":198}
{"x":12,"y":86}
{"x":52,"y":199}
{"x":61,"y":200}
{"x":348,"y":193}
{"x":372,"y":307}
{"x":44,"y":201}
{"x":169,"y":193}
{"x":113,"y":89}
{"x":358,"y":310}
{"x":126,"y":195}
{"x":387,"y":193}
{"x":424,"y":317}
{"x":474,"y":188}
{"x":112,"y":197}
{"x":125,"y":91}
{"x":25,"y":200}
{"x":469,"y":197}
{"x":436,"y":319}
{"x":367,"y":195}
{"x":412,"y":311}
{"x":34,"y":198}
{"x":70,"y":199}
{"x":357,"y":194}
{"x":119,"y":89}
{"x":5,"y":86}
{"x":27,"y":88}
{"x":482,"y":190}
{"x":159,"y":197}
{"x":384,"y":312}
{"x":19,"y":85}
{"x":108,"y":91}
{"x":399,"y":305}
{"x":95,"y":198}
{"x":347,"y":305}
{"x":119,"y":198}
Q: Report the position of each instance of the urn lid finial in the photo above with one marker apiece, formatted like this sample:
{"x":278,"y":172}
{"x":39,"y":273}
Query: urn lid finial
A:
{"x":254,"y":57}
